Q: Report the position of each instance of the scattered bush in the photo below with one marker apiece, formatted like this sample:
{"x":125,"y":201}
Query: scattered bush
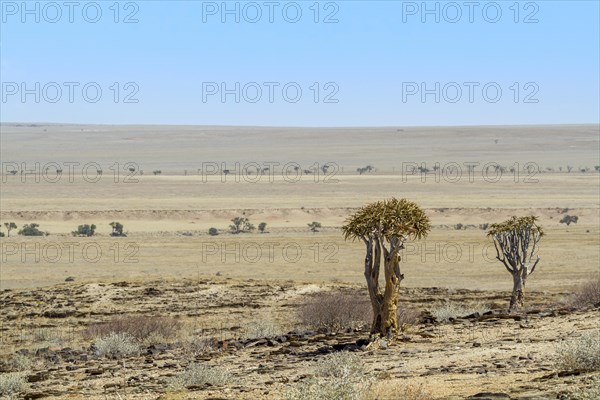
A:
{"x":568,"y":219}
{"x":198,"y":375}
{"x":397,"y":390}
{"x":117,"y":345}
{"x":444,"y":312}
{"x":484,"y":227}
{"x":337,"y":376}
{"x":241,"y":225}
{"x":407,"y":317}
{"x":117,"y":229}
{"x":140,"y":327}
{"x":213,"y":231}
{"x":582,"y":353}
{"x":262,"y":226}
{"x":314,"y":226}
{"x":2,"y":234}
{"x":590,"y":393}
{"x":19,"y":362}
{"x":9,"y":227}
{"x":85,"y":230}
{"x":588,"y":294}
{"x":11,"y":384}
{"x":335,"y":311}
{"x":458,"y":226}
{"x":31,"y":230}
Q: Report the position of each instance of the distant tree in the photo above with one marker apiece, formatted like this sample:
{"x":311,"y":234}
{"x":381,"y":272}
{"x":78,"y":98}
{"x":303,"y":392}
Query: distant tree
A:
{"x":569,"y":168}
{"x":516,"y":242}
{"x":484,"y":227}
{"x":567,"y":219}
{"x":458,"y":226}
{"x":597,"y":168}
{"x":85,"y":230}
{"x":583,"y":170}
{"x":368,"y":168}
{"x":10,"y":226}
{"x":314,"y":226}
{"x":157,"y":172}
{"x":213,"y":231}
{"x":31,"y":230}
{"x":2,"y":234}
{"x":262,"y":226}
{"x":117,"y":229}
{"x":241,"y":225}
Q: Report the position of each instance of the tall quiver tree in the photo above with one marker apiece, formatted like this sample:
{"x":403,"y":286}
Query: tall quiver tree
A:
{"x":516,"y":242}
{"x":384,"y":227}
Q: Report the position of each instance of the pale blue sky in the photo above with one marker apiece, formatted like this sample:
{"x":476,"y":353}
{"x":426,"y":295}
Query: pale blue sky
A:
{"x":372,"y":55}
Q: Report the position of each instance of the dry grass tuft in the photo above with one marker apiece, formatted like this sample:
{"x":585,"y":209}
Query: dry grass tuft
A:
{"x":582,"y":353}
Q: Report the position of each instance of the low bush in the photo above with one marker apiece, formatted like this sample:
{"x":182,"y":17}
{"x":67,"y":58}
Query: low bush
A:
{"x":335,"y":311}
{"x":198,"y":375}
{"x":444,"y":312}
{"x":582,"y":353}
{"x":12,"y":384}
{"x":587,"y":294}
{"x":141,"y":327}
{"x":117,"y":345}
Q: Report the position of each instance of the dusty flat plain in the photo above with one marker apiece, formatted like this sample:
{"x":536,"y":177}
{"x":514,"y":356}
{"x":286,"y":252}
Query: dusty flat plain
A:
{"x":167,"y":215}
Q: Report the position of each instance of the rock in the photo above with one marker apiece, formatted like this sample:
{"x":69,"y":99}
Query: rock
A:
{"x":476,"y":344}
{"x":69,"y":279}
{"x":489,"y":396}
{"x":38,"y":377}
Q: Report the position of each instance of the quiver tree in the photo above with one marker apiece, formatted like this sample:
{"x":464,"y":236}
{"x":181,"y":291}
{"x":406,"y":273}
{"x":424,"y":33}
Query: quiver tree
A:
{"x":516,"y":242}
{"x":384,"y":227}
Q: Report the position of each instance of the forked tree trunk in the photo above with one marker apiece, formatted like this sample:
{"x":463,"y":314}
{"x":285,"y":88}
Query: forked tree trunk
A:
{"x":385,"y":305}
{"x":518,"y":294}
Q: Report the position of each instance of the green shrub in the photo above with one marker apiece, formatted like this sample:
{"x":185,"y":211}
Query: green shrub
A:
{"x":85,"y":230}
{"x":31,"y":230}
{"x":213,"y":231}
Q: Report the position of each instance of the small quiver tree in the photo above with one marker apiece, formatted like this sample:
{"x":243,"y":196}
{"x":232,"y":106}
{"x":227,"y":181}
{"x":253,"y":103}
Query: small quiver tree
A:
{"x":384,"y":227}
{"x":516,"y":242}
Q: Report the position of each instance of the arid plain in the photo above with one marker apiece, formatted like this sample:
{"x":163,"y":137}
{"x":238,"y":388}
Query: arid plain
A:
{"x":167,"y":186}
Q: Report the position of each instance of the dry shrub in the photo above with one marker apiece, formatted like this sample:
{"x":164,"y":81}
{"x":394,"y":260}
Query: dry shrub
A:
{"x":445,"y":311}
{"x":117,"y":345}
{"x":141,"y":327}
{"x":407,"y":317}
{"x":12,"y":384}
{"x":337,"y":376}
{"x":587,"y":294}
{"x":335,"y":311}
{"x":395,"y":390}
{"x":582,"y":353}
{"x":198,"y":375}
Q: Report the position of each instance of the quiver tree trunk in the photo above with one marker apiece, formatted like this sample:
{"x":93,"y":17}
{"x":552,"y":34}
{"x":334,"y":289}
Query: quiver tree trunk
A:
{"x":384,"y":304}
{"x":517,"y":300}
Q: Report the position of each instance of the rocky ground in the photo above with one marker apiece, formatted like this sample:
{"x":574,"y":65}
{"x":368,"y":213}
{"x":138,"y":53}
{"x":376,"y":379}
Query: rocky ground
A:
{"x":248,"y":329}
